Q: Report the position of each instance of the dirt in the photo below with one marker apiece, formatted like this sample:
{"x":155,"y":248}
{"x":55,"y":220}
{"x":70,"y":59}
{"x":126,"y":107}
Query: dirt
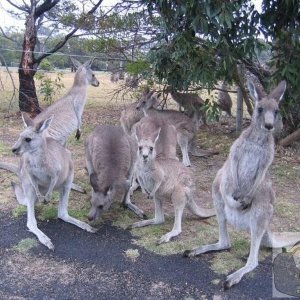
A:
{"x":89,"y":266}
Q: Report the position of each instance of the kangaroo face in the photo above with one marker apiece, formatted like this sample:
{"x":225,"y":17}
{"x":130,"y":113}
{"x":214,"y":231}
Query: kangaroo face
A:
{"x":101,"y":202}
{"x":31,"y":139}
{"x":101,"y":198}
{"x":147,"y":101}
{"x":91,"y":78}
{"x":266,"y":114}
{"x":146,"y":150}
{"x":267,"y":106}
{"x":28,"y":141}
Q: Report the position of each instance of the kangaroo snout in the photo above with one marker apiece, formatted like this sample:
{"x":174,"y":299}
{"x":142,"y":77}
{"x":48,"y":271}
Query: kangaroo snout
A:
{"x":96,"y":83}
{"x":15,"y":150}
{"x":269,"y":126}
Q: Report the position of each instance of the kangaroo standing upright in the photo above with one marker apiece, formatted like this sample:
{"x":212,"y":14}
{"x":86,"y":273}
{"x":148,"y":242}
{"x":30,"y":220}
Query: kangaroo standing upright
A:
{"x":165,"y":179}
{"x":242,"y":193}
{"x":67,"y":111}
{"x":45,"y":166}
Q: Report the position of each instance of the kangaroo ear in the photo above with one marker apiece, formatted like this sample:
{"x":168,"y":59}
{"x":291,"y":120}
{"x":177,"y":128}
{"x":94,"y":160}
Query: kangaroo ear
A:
{"x":27,"y":120}
{"x":88,"y":63}
{"x":75,"y":62}
{"x":40,"y":127}
{"x":256,"y":93}
{"x":94,"y":182}
{"x":278,"y":92}
{"x":157,"y":135}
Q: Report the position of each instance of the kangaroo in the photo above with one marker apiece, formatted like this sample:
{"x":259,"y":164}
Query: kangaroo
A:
{"x":110,"y":157}
{"x":165,"y":179}
{"x":242,"y":191}
{"x":68,"y":110}
{"x":191,"y":103}
{"x":224,"y":100}
{"x":45,"y":166}
{"x":130,"y":115}
{"x":186,"y":127}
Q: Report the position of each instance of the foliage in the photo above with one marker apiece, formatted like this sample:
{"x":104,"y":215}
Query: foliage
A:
{"x":202,"y":41}
{"x":212,"y":109}
{"x":49,"y":87}
{"x":46,"y":65}
{"x":281,"y":21}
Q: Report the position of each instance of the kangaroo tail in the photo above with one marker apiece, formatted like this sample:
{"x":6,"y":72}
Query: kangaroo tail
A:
{"x":280,"y":239}
{"x":9,"y":167}
{"x":200,"y":211}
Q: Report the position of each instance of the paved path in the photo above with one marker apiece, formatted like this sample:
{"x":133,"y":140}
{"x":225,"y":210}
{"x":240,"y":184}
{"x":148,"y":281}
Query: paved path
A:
{"x":87,"y":266}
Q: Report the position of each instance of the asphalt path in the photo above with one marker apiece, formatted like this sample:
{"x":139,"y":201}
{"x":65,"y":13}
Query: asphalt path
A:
{"x":96,"y":267}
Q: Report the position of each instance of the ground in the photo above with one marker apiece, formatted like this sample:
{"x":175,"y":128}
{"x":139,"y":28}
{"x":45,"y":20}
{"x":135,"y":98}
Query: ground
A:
{"x":119,"y":263}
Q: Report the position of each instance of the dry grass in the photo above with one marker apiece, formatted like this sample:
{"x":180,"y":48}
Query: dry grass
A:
{"x":101,"y":109}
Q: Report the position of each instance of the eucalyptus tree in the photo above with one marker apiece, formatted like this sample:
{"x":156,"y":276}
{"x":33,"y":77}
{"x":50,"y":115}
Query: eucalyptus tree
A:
{"x":55,"y":15}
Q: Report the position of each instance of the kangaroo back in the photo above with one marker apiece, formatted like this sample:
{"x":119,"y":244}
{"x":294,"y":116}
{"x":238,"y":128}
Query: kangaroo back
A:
{"x":67,"y":111}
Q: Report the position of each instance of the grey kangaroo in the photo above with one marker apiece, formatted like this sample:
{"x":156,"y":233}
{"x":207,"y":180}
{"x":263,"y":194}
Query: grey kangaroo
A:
{"x":110,"y":158}
{"x":45,"y":166}
{"x":165,"y":179}
{"x":185,"y":126}
{"x":242,"y":192}
{"x":67,"y":111}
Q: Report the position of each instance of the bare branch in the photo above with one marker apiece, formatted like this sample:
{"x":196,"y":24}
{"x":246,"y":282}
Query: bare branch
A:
{"x":6,"y":36}
{"x":46,"y":6}
{"x":26,"y":8}
{"x":67,"y":37}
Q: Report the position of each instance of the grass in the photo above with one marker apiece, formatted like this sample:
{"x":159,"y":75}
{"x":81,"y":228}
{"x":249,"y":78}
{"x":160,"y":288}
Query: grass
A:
{"x":19,"y":211}
{"x":25,"y":245}
{"x":132,"y":254}
{"x":100,"y":109}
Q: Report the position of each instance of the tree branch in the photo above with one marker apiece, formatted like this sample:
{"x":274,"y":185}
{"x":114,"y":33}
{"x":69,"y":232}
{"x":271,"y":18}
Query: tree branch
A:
{"x":46,"y":6}
{"x":25,"y":8}
{"x":6,"y":36}
{"x":67,"y":37}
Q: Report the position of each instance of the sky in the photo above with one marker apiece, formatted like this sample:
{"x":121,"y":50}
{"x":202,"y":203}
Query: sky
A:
{"x":7,"y":21}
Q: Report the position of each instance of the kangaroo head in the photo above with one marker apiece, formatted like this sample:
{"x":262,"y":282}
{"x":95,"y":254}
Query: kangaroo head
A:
{"x":31,"y":139}
{"x":148,"y":100}
{"x":146,"y":146}
{"x":266,"y":109}
{"x":102,"y":197}
{"x":84,"y":73}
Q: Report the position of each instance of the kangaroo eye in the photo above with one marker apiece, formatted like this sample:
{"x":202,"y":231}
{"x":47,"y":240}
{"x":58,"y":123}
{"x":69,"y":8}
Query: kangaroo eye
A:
{"x":276,"y":112}
{"x":260,"y":110}
{"x":151,"y":149}
{"x":144,"y":102}
{"x":140,"y":148}
{"x":28,"y":140}
{"x":93,"y":75}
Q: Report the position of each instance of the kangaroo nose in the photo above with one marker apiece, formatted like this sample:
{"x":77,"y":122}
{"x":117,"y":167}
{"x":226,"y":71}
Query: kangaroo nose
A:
{"x":137,"y":108}
{"x":145,"y":156}
{"x":269,"y":126}
{"x":14,"y":150}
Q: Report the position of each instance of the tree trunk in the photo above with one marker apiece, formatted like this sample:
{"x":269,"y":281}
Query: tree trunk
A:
{"x":28,"y":100}
{"x":293,"y":137}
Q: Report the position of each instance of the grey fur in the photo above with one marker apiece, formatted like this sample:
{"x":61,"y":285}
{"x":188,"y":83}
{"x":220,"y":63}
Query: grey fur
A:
{"x":131,"y":115}
{"x":68,"y":110}
{"x":45,"y":166}
{"x":192,"y":104}
{"x":165,"y":179}
{"x":110,"y":157}
{"x":242,"y":192}
{"x":15,"y":169}
{"x":185,"y":126}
